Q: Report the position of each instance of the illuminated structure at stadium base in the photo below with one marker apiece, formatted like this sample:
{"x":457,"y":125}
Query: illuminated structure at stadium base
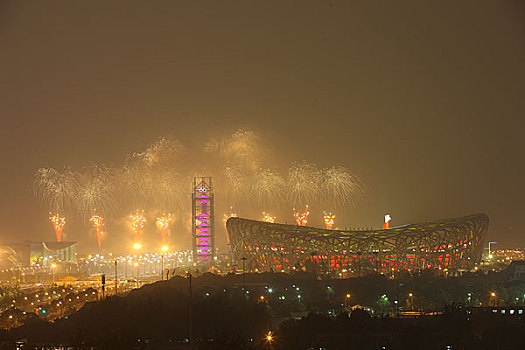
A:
{"x":203,"y":221}
{"x":446,"y":244}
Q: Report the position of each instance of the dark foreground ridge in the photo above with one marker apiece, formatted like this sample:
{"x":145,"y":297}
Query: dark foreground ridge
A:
{"x":300,"y":311}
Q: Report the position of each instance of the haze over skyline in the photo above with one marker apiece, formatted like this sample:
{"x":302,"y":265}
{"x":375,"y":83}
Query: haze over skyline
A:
{"x":426,"y":109}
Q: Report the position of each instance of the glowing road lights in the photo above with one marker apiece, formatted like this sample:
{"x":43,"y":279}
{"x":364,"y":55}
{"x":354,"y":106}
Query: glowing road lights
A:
{"x":301,"y":218}
{"x":58,"y":224}
{"x":329,"y":220}
{"x":164,"y":248}
{"x":163,"y":223}
{"x":98,"y":222}
{"x":137,"y":246}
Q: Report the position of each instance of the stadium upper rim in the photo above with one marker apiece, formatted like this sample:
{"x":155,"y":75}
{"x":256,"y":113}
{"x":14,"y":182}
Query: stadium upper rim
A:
{"x":410,"y":229}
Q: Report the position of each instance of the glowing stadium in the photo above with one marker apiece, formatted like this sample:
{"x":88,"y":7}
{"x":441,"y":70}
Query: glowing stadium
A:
{"x":451,"y":244}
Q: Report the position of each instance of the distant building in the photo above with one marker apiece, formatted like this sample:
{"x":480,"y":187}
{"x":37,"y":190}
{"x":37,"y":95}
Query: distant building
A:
{"x":38,"y":253}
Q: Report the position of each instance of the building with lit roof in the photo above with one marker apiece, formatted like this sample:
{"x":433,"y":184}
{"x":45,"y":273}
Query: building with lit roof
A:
{"x":38,"y":253}
{"x":450,"y":244}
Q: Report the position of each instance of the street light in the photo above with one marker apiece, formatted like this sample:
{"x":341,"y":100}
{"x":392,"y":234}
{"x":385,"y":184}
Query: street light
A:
{"x":347,"y":298}
{"x":243,"y":274}
{"x":137,"y":246}
{"x":411,"y":296}
{"x":137,"y":281}
{"x":269,"y":339}
{"x":494,"y":299}
{"x":53,"y":267}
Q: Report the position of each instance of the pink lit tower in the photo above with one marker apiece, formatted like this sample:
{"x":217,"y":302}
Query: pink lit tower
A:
{"x":203,"y":222}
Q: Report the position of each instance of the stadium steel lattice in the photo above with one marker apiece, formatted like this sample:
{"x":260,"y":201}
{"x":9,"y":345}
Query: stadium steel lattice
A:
{"x":446,"y":244}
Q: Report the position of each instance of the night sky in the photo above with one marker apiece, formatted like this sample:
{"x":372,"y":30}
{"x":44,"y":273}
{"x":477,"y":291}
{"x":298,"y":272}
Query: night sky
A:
{"x":425,"y":103}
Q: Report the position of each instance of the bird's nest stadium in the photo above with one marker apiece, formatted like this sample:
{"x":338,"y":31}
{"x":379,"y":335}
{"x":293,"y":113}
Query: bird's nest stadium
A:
{"x":451,"y":244}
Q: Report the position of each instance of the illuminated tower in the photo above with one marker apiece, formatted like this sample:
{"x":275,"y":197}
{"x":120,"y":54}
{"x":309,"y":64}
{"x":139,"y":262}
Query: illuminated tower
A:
{"x":203,"y":221}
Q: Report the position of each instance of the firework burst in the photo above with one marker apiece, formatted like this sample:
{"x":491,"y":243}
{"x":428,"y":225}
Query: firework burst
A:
{"x":329,"y":220}
{"x":58,"y":224}
{"x":163,"y":223}
{"x":268,"y":188}
{"x":163,"y":151}
{"x":243,"y":149}
{"x":158,"y":178}
{"x":341,"y":187}
{"x":301,"y":218}
{"x":137,"y":222}
{"x":98,"y":223}
{"x":237,"y":187}
{"x":268,"y":218}
{"x":304,"y":181}
{"x":55,"y":187}
{"x":96,"y":190}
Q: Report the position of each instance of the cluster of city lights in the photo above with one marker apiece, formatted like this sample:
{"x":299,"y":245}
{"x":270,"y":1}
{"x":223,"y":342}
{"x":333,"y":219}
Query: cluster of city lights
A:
{"x":301,"y":218}
{"x":58,"y":223}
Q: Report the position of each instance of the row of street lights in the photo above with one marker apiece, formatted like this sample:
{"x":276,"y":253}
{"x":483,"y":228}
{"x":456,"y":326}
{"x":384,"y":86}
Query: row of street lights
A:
{"x":164,"y":249}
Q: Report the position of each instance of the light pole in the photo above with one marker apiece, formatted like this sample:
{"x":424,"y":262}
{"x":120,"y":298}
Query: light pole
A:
{"x":347,"y":299}
{"x":53,"y":267}
{"x":490,"y":252}
{"x":411,"y":296}
{"x":136,"y":246}
{"x":243,"y":274}
{"x":116,"y":277}
{"x":164,"y":248}
{"x":191,"y":306}
{"x":269,"y":339}
{"x":494,"y":299}
{"x":137,"y":280}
